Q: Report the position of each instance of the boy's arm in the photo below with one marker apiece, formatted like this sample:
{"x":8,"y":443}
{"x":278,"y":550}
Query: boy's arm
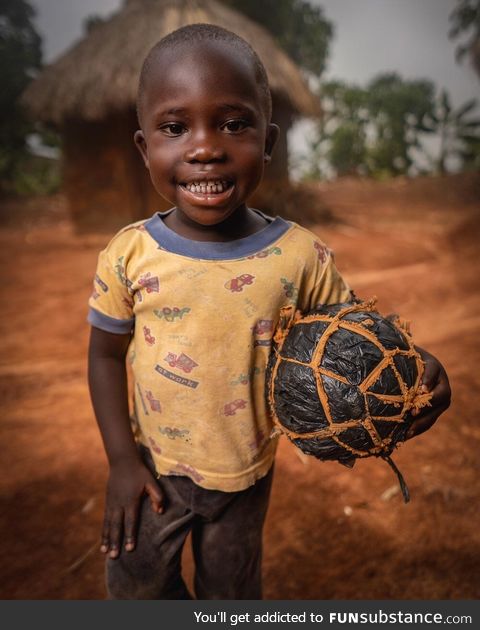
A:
{"x":434,"y":380}
{"x":129,"y":478}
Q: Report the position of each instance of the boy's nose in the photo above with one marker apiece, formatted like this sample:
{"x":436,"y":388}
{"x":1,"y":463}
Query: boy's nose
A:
{"x":204,"y":153}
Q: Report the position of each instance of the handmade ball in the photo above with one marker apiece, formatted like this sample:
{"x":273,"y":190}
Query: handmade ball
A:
{"x":342,"y":382}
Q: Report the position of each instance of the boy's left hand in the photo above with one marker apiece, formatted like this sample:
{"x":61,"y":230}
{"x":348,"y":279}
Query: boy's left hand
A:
{"x":434,"y":380}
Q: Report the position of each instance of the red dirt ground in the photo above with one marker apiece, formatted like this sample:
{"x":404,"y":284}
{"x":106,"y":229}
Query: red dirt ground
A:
{"x":331,"y":533}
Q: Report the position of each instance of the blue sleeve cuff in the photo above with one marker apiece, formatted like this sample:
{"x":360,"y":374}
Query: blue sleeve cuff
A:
{"x":110,"y":324}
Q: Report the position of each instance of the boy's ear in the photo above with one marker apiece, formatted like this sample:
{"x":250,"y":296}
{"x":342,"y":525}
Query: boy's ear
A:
{"x":141,"y":145}
{"x":273,"y":131}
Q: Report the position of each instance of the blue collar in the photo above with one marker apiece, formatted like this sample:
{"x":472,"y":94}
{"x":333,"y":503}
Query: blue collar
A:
{"x":171,"y":241}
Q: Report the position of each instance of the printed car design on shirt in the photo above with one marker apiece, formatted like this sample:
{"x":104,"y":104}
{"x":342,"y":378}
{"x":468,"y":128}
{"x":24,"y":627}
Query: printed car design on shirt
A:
{"x":171,"y":314}
{"x":322,"y":251}
{"x":149,"y":338}
{"x":244,"y":379}
{"x":182,"y":361}
{"x":150,"y":283}
{"x":264,"y":253}
{"x":230,"y":409}
{"x":121,"y":274}
{"x":235,"y":285}
{"x":291,"y":291}
{"x":172,"y":433}
{"x":263,"y":326}
{"x":154,"y":403}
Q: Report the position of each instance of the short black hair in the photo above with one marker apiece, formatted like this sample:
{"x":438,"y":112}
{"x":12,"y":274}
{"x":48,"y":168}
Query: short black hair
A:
{"x":200,"y":33}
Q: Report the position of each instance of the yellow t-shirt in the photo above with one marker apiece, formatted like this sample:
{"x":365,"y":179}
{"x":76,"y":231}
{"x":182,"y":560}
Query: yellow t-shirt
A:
{"x":203,"y":316}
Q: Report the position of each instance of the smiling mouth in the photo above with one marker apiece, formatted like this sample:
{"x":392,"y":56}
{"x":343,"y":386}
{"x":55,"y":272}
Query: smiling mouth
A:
{"x":207,"y":187}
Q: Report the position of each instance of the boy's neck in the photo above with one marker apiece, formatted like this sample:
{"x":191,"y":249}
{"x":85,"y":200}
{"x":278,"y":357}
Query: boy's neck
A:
{"x":243,"y":222}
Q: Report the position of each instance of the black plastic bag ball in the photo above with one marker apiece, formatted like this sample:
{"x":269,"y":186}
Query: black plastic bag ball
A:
{"x":342,"y":382}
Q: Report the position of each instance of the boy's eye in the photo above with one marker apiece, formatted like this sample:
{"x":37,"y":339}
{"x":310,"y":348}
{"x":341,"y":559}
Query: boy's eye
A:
{"x":172,"y":129}
{"x":234,"y":126}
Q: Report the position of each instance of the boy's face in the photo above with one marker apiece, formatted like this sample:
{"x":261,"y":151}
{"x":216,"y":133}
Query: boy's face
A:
{"x":205,"y":137}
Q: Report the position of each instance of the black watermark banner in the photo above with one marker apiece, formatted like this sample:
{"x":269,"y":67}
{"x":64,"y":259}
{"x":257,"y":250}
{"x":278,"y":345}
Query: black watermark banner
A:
{"x":225,"y":615}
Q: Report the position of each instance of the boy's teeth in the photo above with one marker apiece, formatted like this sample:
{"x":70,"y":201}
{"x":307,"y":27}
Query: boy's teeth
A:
{"x":210,"y":186}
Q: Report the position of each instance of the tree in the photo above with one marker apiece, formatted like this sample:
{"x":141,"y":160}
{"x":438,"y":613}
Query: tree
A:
{"x":465,"y":21}
{"x":20,"y":58}
{"x":397,"y":113}
{"x":347,"y":153}
{"x":459,"y":133}
{"x":349,"y":116}
{"x":340,"y":139}
{"x":370,"y":131}
{"x":300,"y":28}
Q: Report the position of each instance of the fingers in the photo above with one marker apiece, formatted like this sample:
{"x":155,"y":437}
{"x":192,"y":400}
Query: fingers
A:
{"x":112,"y":532}
{"x":426,"y":420}
{"x":105,"y":544}
{"x":430,"y":415}
{"x":434,"y":380}
{"x":121,"y":523}
{"x":156,"y":496}
{"x":131,"y":521}
{"x":432,"y":371}
{"x":423,"y":389}
{"x":440,"y":387}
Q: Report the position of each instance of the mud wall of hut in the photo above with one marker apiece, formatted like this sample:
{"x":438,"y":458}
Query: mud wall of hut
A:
{"x":105,"y":181}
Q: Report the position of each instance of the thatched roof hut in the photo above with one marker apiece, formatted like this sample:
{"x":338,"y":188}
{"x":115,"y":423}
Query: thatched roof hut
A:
{"x":89,"y":93}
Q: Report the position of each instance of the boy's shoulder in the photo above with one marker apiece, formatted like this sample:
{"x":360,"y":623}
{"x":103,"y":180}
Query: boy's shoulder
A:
{"x":304,"y":240}
{"x":128,"y":237}
{"x":132,"y":229}
{"x":303,"y":232}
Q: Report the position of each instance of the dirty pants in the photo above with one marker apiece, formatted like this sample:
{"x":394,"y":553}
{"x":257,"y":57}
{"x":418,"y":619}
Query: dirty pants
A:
{"x":226,"y":532}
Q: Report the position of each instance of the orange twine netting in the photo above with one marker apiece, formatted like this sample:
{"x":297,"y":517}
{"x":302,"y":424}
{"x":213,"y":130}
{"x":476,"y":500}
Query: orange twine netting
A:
{"x":409,"y":399}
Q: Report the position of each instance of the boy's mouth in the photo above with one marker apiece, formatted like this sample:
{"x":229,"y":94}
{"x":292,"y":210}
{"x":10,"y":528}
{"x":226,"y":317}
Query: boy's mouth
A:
{"x":210,"y":187}
{"x":210,"y":192}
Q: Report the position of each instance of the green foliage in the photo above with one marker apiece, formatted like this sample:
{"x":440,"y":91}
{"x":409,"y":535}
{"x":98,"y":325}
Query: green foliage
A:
{"x":20,"y":57}
{"x":347,"y":152}
{"x":381,"y":130}
{"x":340,"y":139}
{"x":373,"y":130}
{"x":459,"y":133}
{"x":300,"y":28}
{"x":37,"y":176}
{"x":465,"y":20}
{"x":397,"y":110}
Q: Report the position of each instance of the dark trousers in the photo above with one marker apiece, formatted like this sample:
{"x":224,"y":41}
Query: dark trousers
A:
{"x":226,"y":540}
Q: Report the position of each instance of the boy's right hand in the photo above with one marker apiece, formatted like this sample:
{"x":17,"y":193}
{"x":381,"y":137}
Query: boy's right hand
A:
{"x":128,"y":481}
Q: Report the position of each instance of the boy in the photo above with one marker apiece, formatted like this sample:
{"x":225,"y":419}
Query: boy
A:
{"x":200,"y":287}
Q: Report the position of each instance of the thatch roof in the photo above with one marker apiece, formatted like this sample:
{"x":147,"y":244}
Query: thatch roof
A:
{"x":100,"y":73}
